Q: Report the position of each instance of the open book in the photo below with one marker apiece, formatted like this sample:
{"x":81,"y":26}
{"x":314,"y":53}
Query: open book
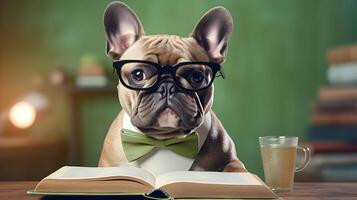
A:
{"x":131,"y":180}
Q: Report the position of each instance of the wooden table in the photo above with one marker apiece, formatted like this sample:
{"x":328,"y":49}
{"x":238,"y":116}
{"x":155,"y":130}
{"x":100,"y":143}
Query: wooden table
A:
{"x":302,"y":191}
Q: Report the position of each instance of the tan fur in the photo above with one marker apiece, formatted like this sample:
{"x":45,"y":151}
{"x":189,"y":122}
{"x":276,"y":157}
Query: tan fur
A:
{"x":163,"y":49}
{"x":169,"y":50}
{"x":112,"y":153}
{"x":128,"y":41}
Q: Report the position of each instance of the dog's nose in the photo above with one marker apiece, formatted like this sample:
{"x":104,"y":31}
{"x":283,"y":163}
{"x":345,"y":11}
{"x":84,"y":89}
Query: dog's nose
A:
{"x":166,"y":88}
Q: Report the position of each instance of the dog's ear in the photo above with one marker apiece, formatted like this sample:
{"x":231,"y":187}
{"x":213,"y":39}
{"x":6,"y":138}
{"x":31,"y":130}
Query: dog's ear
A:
{"x":213,"y":31}
{"x":122,"y":28}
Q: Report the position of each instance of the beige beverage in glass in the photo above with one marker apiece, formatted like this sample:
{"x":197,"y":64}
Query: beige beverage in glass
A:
{"x":279,"y":155}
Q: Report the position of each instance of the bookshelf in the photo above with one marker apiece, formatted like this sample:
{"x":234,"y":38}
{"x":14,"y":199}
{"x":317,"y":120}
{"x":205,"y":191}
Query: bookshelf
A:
{"x":27,"y":157}
{"x":76,"y":95}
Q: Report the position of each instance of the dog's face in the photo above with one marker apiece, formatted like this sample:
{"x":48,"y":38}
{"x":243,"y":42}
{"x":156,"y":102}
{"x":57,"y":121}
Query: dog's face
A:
{"x":166,"y":110}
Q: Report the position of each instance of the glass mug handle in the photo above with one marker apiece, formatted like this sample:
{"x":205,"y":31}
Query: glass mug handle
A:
{"x":307,"y":155}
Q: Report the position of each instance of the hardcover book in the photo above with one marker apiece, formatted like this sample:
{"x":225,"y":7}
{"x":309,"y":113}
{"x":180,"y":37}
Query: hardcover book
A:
{"x":335,"y":118}
{"x":322,"y":163}
{"x":335,"y":94}
{"x":336,"y":106}
{"x":333,"y":133}
{"x":343,"y":173}
{"x":330,"y":147}
{"x":343,"y":54}
{"x":126,"y":180}
{"x":345,"y":73}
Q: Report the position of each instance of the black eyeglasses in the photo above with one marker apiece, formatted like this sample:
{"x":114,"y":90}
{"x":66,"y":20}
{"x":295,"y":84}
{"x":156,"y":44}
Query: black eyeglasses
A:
{"x":144,"y":75}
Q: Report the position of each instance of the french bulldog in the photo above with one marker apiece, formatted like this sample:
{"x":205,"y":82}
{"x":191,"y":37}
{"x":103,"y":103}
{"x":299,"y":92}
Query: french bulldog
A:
{"x":167,"y":111}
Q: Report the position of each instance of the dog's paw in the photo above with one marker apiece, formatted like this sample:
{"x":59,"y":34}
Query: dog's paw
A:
{"x":235,"y":166}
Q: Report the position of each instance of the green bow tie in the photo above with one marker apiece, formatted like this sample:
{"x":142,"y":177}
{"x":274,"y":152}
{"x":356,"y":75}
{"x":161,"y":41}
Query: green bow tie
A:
{"x":137,"y":145}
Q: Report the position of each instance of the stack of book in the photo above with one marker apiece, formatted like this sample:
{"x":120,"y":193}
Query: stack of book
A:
{"x":333,"y":133}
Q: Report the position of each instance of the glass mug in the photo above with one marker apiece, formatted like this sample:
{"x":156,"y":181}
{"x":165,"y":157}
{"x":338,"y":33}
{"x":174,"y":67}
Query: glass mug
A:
{"x":279,"y":155}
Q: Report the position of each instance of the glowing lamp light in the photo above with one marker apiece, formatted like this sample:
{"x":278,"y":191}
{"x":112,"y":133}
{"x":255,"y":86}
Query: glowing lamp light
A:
{"x":22,"y":115}
{"x":25,"y":112}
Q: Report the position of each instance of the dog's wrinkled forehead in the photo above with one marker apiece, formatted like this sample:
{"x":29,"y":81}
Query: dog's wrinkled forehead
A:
{"x":123,"y":29}
{"x":165,"y":50}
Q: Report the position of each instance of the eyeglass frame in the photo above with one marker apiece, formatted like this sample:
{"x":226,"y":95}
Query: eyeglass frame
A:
{"x":171,"y":69}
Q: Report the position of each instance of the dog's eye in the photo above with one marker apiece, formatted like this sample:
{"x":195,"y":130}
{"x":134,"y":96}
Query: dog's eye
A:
{"x":138,"y":74}
{"x":197,"y":77}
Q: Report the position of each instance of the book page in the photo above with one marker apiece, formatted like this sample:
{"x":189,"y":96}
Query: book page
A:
{"x":78,"y":173}
{"x":226,"y":178}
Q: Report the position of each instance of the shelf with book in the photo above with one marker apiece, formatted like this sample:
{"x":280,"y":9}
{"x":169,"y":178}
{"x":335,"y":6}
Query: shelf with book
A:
{"x":76,"y":95}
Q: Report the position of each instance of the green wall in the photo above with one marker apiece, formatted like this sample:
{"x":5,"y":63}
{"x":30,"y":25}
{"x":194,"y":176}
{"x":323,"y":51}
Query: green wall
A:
{"x":276,"y":59}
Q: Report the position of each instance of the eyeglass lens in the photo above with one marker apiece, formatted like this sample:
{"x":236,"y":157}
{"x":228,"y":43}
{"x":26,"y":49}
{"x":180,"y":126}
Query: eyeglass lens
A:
{"x":189,"y":76}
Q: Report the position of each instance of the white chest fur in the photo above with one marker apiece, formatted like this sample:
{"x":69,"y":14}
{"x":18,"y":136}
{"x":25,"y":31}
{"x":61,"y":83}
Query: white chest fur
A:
{"x":163,"y":160}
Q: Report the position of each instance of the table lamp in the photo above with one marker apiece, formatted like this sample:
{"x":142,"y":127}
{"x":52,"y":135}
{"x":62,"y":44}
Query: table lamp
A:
{"x":23,"y":113}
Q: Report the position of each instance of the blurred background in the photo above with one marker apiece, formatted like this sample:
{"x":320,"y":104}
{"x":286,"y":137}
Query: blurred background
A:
{"x":290,"y":71}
